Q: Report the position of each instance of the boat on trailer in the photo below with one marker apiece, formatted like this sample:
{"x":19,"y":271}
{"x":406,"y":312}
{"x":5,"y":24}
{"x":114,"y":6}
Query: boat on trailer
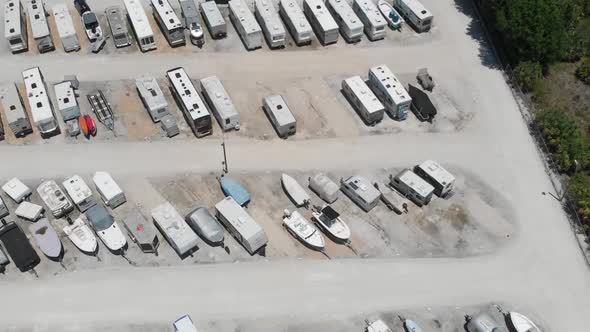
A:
{"x":235,"y":190}
{"x":46,"y":238}
{"x":393,"y":18}
{"x":81,"y":236}
{"x":295,"y":191}
{"x":331,"y":223}
{"x":521,"y":323}
{"x":303,"y":230}
{"x":411,"y":326}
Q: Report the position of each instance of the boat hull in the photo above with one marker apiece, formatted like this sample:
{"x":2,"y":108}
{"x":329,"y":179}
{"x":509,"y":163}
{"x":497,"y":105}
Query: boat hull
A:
{"x":82,"y":237}
{"x":386,"y":10}
{"x":304,"y":231}
{"x":295,"y":191}
{"x":46,"y":238}
{"x":521,"y":323}
{"x":340,"y":237}
{"x":113,"y":238}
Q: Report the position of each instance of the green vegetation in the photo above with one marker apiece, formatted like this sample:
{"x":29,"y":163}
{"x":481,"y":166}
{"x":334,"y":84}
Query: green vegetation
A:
{"x":583,"y":71}
{"x":528,"y":74}
{"x":580,"y":191}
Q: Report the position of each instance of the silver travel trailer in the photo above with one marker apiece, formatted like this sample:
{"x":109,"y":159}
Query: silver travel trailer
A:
{"x":363,"y":100}
{"x":168,"y":22}
{"x":296,"y":22}
{"x":56,"y":200}
{"x":116,"y":19}
{"x":152,"y":97}
{"x":16,"y":116}
{"x":190,"y":15}
{"x":245,"y":24}
{"x":351,"y":27}
{"x":437,"y":176}
{"x":361,"y":191}
{"x":412,"y":186}
{"x":241,"y":225}
{"x":39,"y":27}
{"x":65,"y":28}
{"x":280,"y":115}
{"x":43,"y":116}
{"x":79,"y":192}
{"x":109,"y":190}
{"x":390,"y":91}
{"x":205,"y":225}
{"x":415,"y":13}
{"x":270,"y":22}
{"x":66,"y":101}
{"x":140,"y":24}
{"x":220,"y":103}
{"x":191,"y":105}
{"x":214,"y":20}
{"x":16,"y":190}
{"x":321,"y":21}
{"x":142,"y":232}
{"x":324,"y":187}
{"x":372,"y":18}
{"x":176,"y":231}
{"x":15,"y":26}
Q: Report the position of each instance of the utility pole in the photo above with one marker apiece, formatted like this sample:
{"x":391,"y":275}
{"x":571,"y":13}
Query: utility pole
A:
{"x":224,"y":162}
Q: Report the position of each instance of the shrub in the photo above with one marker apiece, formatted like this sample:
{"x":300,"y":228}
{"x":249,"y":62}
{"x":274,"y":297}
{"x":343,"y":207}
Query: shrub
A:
{"x":580,"y":191}
{"x":583,"y":71}
{"x":527,"y":74}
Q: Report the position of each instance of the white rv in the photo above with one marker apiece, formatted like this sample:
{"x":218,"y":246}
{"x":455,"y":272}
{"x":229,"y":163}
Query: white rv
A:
{"x":65,"y":28}
{"x":390,"y":91}
{"x":220,"y":103}
{"x":152,"y":97}
{"x":173,"y":227}
{"x":39,"y":101}
{"x":322,"y":22}
{"x":270,"y":22}
{"x":79,"y":192}
{"x":66,"y":101}
{"x":109,"y":190}
{"x":437,"y":176}
{"x":169,"y":23}
{"x":240,"y":225}
{"x":351,"y":27}
{"x":372,"y":18}
{"x":280,"y":116}
{"x":119,"y":30}
{"x":16,"y":190}
{"x":15,"y":26}
{"x":141,"y":25}
{"x":55,"y":199}
{"x":245,"y":24}
{"x":191,"y":105}
{"x":296,"y":22}
{"x":363,"y":100}
{"x":361,"y":191}
{"x":214,"y":20}
{"x":39,"y":27}
{"x":17,"y":118}
{"x":418,"y":16}
{"x":412,"y":186}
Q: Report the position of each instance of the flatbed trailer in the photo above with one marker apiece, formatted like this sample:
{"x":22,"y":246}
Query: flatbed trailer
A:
{"x":102,"y":109}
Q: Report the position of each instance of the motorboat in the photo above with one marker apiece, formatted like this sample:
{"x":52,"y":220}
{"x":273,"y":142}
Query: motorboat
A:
{"x":331,"y":223}
{"x":106,"y":227}
{"x":295,"y":191}
{"x":377,"y":326}
{"x":90,"y":124}
{"x":235,"y":190}
{"x":302,"y":229}
{"x":196,"y":33}
{"x":205,"y":225}
{"x":91,"y":25}
{"x":411,"y":326}
{"x":521,"y":323}
{"x":82,"y":237}
{"x":18,"y":246}
{"x":393,"y":18}
{"x":46,"y":238}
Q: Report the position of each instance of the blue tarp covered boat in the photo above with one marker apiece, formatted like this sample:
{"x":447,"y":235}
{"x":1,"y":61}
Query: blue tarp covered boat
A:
{"x":235,"y":190}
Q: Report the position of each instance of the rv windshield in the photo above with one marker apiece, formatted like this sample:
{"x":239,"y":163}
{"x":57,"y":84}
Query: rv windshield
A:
{"x":90,"y":21}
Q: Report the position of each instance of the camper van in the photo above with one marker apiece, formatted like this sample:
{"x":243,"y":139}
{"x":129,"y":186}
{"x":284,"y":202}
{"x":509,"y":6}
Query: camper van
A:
{"x":55,"y":199}
{"x":415,"y":13}
{"x":296,"y":22}
{"x":152,"y":97}
{"x":16,"y":190}
{"x":412,"y":186}
{"x":351,"y":27}
{"x":280,"y":115}
{"x":191,"y":105}
{"x":39,"y":27}
{"x":39,"y":101}
{"x":140,"y":24}
{"x":363,"y":100}
{"x":245,"y":24}
{"x":119,"y":30}
{"x":15,"y":26}
{"x":173,"y":227}
{"x":66,"y":101}
{"x":65,"y":28}
{"x":214,"y":20}
{"x":371,"y":17}
{"x":79,"y":192}
{"x":109,"y":190}
{"x":168,"y":22}
{"x":437,"y":176}
{"x":360,"y":191}
{"x":390,"y":91}
{"x":220,"y":103}
{"x":321,"y":21}
{"x":240,"y":225}
{"x":17,"y":118}
{"x":270,"y":22}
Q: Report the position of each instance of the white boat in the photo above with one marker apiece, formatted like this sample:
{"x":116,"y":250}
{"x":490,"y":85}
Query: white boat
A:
{"x":521,"y":323}
{"x":106,"y":228}
{"x":377,"y":326}
{"x":411,"y":326}
{"x":302,"y":229}
{"x":81,"y":236}
{"x":393,"y":18}
{"x":295,"y":191}
{"x":330,"y":221}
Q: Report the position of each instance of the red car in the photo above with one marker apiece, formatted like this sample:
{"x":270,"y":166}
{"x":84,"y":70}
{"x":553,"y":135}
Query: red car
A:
{"x":90,"y":125}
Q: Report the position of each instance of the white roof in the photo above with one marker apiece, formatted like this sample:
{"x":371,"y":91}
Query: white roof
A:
{"x":64,"y":92}
{"x":167,"y":14}
{"x":189,"y":11}
{"x":212,"y":12}
{"x":243,"y":14}
{"x":418,"y":8}
{"x":437,"y":172}
{"x":345,"y":11}
{"x":13,"y":108}
{"x":378,"y":326}
{"x":116,"y":20}
{"x":279,"y":108}
{"x":269,"y":14}
{"x":38,"y":99}
{"x":140,"y":22}
{"x":372,"y":13}
{"x":292,"y":9}
{"x":364,"y":94}
{"x":77,"y":189}
{"x":106,"y":185}
{"x":187,"y":92}
{"x":63,"y":20}
{"x":363,"y":188}
{"x":416,"y":183}
{"x":319,"y":10}
{"x":37,"y":18}
{"x":16,"y":189}
{"x":12,"y":19}
{"x":176,"y":229}
{"x":52,"y":195}
{"x":392,"y":85}
{"x":219,"y":97}
{"x":238,"y":218}
{"x":150,"y":92}
{"x":184,"y":324}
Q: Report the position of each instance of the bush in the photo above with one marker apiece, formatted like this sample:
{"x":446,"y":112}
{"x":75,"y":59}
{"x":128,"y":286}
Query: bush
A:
{"x":580,"y":191}
{"x":583,"y":71}
{"x":527,"y":74}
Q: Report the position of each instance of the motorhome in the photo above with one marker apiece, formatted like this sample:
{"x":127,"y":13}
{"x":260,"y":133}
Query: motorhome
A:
{"x":109,"y":190}
{"x":296,"y":22}
{"x":415,"y":13}
{"x":39,"y":27}
{"x":43,"y":116}
{"x":442,"y":181}
{"x":176,"y":231}
{"x":16,"y":116}
{"x":241,"y":225}
{"x":65,"y":28}
{"x":321,"y":21}
{"x":280,"y":115}
{"x":140,"y":24}
{"x":152,"y":97}
{"x":190,"y":16}
{"x":220,"y":103}
{"x":79,"y":192}
{"x":142,"y":232}
{"x":390,"y":91}
{"x":15,"y":26}
{"x":245,"y":24}
{"x":371,"y":17}
{"x":270,"y":22}
{"x":66,"y":101}
{"x":363,"y":100}
{"x":16,"y":190}
{"x":116,"y":20}
{"x":360,"y":191}
{"x":55,"y":199}
{"x":191,"y":105}
{"x":168,"y":22}
{"x":351,"y":27}
{"x":214,"y":20}
{"x":412,"y":186}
